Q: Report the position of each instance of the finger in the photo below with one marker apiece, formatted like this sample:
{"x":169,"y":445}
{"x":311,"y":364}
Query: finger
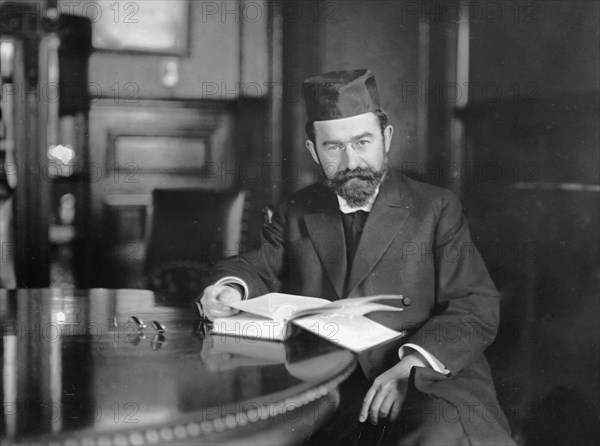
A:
{"x":376,"y":404}
{"x":212,"y":305}
{"x":395,"y":410}
{"x":220,"y":311}
{"x":208,"y":314}
{"x":220,"y":306}
{"x":224,"y":313}
{"x":220,"y":296}
{"x":364,"y":411}
{"x":230,"y":295}
{"x":204,"y":305}
{"x":386,"y":405}
{"x":210,"y":294}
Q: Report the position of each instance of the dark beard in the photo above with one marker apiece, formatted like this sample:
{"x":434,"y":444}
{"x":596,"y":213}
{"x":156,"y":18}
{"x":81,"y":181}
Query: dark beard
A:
{"x":357,"y":193}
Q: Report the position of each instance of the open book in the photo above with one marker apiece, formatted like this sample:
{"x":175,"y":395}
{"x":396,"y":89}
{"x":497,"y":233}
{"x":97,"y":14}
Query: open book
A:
{"x":274,"y":316}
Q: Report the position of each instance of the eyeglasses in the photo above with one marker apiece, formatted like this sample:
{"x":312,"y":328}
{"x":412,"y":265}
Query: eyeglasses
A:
{"x":359,"y":146}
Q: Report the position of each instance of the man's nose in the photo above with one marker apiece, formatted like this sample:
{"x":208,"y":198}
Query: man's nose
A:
{"x":351,"y":159}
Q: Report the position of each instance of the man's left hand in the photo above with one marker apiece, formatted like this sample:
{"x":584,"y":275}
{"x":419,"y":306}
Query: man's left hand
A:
{"x":386,"y":396}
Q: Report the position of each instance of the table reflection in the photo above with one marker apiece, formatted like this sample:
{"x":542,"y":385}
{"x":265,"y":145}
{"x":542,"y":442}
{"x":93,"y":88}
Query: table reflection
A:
{"x":78,"y":369}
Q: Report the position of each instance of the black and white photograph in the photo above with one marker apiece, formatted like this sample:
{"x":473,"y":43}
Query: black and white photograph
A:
{"x":300,"y":222}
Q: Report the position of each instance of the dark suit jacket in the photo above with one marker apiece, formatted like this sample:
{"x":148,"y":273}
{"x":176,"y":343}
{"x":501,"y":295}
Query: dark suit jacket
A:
{"x":416,"y":243}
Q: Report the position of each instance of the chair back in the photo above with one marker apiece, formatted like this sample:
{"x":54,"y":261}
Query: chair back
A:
{"x":190,"y":230}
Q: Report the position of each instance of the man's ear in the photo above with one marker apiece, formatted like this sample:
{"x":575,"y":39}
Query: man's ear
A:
{"x":311,"y":148}
{"x":387,"y":137}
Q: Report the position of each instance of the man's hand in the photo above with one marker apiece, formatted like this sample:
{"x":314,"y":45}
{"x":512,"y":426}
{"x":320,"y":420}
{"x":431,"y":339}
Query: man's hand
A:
{"x":214,"y":301}
{"x":386,"y":396}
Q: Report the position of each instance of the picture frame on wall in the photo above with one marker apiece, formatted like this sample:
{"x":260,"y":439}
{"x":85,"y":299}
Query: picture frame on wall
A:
{"x":145,"y":26}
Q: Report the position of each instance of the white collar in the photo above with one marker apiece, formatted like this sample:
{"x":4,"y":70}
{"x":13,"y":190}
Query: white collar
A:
{"x":347,"y":209}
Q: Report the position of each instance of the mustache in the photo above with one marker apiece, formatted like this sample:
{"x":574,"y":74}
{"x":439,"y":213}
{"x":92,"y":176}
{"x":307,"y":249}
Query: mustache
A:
{"x":360,"y":173}
{"x":357,"y":194}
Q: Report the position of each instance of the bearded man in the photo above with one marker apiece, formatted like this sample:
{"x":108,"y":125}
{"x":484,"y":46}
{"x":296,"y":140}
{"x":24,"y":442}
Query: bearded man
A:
{"x":367,"y":230}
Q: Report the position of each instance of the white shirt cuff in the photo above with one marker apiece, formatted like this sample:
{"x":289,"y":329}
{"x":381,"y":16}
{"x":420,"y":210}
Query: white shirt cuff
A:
{"x":237,"y":281}
{"x":431,"y":360}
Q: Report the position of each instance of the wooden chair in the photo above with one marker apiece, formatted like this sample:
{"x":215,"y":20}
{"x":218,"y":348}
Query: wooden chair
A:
{"x":190,"y":230}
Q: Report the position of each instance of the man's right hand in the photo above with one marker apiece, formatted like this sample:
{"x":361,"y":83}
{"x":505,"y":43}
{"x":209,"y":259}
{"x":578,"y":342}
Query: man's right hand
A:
{"x":215,"y":298}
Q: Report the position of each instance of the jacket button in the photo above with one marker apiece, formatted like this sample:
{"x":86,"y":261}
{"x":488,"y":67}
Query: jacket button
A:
{"x":406,"y":301}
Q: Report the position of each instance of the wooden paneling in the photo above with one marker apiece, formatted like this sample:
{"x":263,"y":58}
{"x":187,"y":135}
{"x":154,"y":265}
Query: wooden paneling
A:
{"x":138,"y":147}
{"x":203,"y":130}
{"x":227,"y":55}
{"x":160,"y":153}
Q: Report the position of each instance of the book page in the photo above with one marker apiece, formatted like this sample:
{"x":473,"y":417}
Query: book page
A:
{"x":278,"y":306}
{"x":357,"y":306}
{"x":356,"y":333}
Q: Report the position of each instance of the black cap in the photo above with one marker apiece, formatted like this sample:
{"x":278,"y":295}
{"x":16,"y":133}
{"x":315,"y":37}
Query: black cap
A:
{"x":340,"y":94}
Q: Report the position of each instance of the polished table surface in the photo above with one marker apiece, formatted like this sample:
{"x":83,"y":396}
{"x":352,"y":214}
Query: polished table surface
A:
{"x":77,"y":369}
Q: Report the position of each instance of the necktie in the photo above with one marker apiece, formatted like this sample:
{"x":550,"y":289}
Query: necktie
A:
{"x":354,"y":224}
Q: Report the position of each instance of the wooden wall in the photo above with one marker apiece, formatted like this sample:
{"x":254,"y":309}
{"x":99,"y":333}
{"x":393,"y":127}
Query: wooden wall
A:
{"x":206,"y":130}
{"x":227,"y":51}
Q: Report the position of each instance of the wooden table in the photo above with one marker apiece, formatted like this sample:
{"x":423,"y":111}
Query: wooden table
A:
{"x":77,"y":370}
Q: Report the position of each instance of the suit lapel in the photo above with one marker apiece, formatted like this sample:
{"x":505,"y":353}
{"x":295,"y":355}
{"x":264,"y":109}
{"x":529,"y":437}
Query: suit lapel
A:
{"x":390,"y":211}
{"x":326,"y":232}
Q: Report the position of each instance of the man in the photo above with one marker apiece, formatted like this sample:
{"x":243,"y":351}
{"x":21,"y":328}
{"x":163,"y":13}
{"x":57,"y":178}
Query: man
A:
{"x":367,"y":230}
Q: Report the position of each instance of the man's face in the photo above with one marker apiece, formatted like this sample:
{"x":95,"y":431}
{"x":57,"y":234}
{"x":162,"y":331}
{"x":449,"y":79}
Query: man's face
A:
{"x":353,"y":154}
